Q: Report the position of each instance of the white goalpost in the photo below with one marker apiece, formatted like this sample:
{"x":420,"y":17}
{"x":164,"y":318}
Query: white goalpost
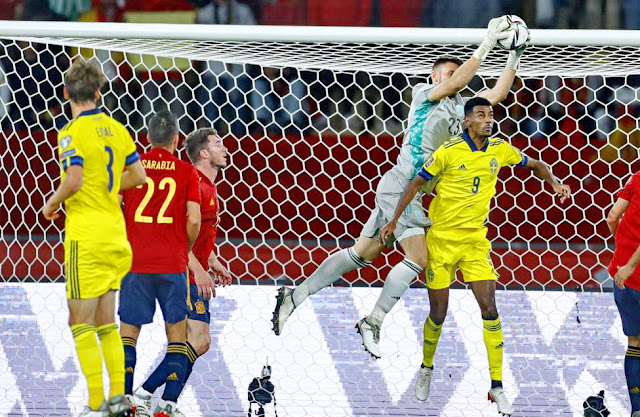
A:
{"x":313,"y":116}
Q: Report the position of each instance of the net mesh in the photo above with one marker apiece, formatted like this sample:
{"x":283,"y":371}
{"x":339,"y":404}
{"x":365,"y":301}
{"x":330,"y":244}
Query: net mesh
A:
{"x":311,"y":128}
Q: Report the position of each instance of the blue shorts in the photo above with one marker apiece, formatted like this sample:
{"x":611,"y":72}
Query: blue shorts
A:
{"x":139,"y":292}
{"x":628,"y":302}
{"x":199,"y":308}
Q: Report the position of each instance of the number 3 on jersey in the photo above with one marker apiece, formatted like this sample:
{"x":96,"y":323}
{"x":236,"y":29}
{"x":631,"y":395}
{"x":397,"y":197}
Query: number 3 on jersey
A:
{"x":161,"y":219}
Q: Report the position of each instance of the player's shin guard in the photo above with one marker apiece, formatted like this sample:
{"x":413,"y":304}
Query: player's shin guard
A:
{"x":493,"y":341}
{"x":632,"y":372}
{"x":113,"y":353}
{"x":395,"y":285}
{"x":431,"y":338}
{"x":130,"y":358}
{"x":176,"y":366}
{"x":192,"y":355}
{"x":329,"y":271}
{"x":90,"y":361}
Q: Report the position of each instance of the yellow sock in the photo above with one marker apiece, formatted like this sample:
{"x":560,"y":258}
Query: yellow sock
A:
{"x":113,"y":352}
{"x":431,"y":337}
{"x":90,"y":361}
{"x":493,"y":341}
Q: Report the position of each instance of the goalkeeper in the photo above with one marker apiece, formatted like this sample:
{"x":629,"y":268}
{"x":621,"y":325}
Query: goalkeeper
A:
{"x":435,"y":115}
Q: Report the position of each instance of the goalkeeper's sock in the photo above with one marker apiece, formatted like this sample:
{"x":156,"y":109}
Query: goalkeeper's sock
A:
{"x":130,"y":358}
{"x":113,"y":353}
{"x":329,"y":271}
{"x":395,"y":285}
{"x":90,"y":361}
{"x":632,"y":372}
{"x":493,"y":341}
{"x":176,"y":367}
{"x":192,"y":356}
{"x":431,"y":338}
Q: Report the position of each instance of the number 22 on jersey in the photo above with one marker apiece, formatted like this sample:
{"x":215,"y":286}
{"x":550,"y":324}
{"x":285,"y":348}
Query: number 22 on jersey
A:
{"x":165,"y":183}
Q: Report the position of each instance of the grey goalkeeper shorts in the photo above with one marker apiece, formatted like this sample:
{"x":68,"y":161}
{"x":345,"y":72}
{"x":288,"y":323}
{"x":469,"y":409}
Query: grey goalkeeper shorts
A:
{"x":412,"y":222}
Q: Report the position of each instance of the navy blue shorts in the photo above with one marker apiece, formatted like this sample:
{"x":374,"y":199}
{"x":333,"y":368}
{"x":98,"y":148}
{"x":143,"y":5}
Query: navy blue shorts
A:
{"x":199,"y":309}
{"x":628,"y":302}
{"x":139,"y":292}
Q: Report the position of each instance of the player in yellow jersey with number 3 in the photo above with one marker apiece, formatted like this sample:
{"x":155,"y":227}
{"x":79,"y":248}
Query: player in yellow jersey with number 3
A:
{"x":468,"y":168}
{"x":98,"y":159}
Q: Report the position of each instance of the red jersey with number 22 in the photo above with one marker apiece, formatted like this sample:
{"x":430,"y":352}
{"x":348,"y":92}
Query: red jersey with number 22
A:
{"x":210,"y":210}
{"x":156,"y":214}
{"x":628,"y":232}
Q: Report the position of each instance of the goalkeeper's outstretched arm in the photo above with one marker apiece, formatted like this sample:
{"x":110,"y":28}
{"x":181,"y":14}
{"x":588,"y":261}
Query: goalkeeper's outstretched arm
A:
{"x":542,"y":171}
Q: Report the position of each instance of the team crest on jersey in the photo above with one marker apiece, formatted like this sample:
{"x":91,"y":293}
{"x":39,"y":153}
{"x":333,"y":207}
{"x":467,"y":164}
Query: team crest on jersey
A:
{"x":65,"y":141}
{"x":200,"y":307}
{"x":212,"y":203}
{"x":493,"y":165}
{"x":430,"y":275}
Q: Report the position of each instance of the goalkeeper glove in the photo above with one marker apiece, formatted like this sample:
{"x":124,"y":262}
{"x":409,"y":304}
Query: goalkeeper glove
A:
{"x":514,"y":56}
{"x":496,"y":31}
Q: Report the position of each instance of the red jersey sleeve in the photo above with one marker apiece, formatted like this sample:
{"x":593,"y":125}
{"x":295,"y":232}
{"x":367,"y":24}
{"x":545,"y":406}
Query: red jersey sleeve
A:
{"x":627,"y":192}
{"x":193,"y":190}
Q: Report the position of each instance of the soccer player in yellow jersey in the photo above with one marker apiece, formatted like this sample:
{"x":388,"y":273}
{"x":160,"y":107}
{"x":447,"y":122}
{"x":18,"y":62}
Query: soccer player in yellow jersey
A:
{"x":98,"y":159}
{"x":468,"y":168}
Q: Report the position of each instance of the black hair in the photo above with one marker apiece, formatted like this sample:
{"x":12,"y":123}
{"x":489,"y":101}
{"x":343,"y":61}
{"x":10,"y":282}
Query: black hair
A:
{"x":163,"y":127}
{"x":476,"y":101}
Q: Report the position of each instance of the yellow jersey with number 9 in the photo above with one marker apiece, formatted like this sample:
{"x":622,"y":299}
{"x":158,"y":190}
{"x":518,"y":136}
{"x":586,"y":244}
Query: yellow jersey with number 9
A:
{"x":103,"y":147}
{"x":468,"y":177}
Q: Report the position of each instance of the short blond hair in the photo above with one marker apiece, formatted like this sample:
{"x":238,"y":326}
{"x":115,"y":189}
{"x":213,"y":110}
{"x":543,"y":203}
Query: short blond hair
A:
{"x":82,"y":80}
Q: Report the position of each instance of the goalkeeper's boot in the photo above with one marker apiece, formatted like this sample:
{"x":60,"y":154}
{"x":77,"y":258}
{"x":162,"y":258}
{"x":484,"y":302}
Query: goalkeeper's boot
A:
{"x":103,"y":411}
{"x":119,"y":406}
{"x":165,"y":409}
{"x":141,"y":402}
{"x":497,"y":395}
{"x":284,"y":308}
{"x":370,"y":337}
{"x":636,"y":414}
{"x":423,"y":384}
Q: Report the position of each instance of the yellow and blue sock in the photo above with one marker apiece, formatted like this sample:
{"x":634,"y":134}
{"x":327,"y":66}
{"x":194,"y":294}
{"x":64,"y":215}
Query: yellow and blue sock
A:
{"x":90,"y":360}
{"x":431,"y":338}
{"x":130,"y":358}
{"x":632,"y":372}
{"x":493,"y":340}
{"x":113,"y":353}
{"x":176,"y":368}
{"x":192,"y":355}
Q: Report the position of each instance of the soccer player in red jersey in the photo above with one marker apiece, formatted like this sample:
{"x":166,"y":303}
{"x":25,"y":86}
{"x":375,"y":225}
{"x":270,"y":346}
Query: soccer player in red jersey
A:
{"x":163,"y":221}
{"x":205,"y":149}
{"x":626,"y":274}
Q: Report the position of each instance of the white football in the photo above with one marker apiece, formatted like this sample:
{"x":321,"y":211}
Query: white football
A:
{"x":518,"y":33}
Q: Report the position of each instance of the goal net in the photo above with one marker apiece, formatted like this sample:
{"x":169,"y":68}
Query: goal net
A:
{"x":312,"y":120}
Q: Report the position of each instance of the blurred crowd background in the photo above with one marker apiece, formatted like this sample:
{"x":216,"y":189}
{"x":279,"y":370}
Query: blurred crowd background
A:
{"x":248,"y":99}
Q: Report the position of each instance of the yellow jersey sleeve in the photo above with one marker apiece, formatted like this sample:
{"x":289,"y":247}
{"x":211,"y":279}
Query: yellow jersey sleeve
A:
{"x":130,"y":149}
{"x":511,"y":155}
{"x":435,"y":164}
{"x":70,"y":150}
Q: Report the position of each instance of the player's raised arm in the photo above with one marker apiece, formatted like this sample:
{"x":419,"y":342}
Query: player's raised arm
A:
{"x":463,"y":75}
{"x":499,"y":91}
{"x":542,"y":171}
{"x":615,"y":214}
